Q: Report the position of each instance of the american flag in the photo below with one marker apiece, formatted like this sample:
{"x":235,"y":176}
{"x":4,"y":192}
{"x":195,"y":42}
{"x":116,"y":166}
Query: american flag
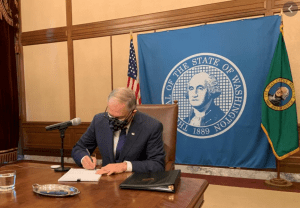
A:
{"x":133,"y":79}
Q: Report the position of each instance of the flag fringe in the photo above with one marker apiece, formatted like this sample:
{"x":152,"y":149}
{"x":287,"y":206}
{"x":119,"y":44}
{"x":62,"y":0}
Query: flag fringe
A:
{"x":274,"y":152}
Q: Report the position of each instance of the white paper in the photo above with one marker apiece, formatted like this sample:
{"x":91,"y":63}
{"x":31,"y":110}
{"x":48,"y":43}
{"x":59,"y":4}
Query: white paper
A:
{"x":80,"y":174}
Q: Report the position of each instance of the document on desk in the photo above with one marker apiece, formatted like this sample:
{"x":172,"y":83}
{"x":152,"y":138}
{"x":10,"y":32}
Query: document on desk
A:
{"x":80,"y":174}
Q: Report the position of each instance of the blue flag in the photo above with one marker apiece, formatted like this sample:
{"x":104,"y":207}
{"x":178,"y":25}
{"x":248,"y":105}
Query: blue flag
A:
{"x":217,"y":73}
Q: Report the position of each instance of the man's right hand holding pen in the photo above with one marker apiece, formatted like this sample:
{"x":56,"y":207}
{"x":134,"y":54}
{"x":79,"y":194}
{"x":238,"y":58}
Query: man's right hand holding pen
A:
{"x":89,"y":162}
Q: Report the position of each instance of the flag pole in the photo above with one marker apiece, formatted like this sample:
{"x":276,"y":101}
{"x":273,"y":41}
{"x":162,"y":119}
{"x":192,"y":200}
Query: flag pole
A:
{"x":278,"y":168}
{"x":279,"y":182}
{"x":281,"y":25}
{"x":132,"y":73}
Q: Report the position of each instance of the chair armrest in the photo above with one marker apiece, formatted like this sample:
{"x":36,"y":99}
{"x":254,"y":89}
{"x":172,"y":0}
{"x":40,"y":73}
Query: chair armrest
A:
{"x":170,"y":166}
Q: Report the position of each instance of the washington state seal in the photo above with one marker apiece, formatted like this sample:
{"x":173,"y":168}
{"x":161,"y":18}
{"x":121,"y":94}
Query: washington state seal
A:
{"x":211,"y":93}
{"x":280,"y":94}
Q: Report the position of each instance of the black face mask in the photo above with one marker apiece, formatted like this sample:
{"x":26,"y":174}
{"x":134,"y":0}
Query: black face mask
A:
{"x":115,"y":124}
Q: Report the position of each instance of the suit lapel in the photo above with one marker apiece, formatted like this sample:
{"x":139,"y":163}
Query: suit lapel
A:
{"x":132,"y":135}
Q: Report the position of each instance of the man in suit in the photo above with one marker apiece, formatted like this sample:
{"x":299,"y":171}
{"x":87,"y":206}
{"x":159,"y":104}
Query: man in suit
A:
{"x":128,"y":140}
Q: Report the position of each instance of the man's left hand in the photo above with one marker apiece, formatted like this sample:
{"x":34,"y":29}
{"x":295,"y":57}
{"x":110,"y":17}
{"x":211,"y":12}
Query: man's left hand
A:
{"x":113,"y":168}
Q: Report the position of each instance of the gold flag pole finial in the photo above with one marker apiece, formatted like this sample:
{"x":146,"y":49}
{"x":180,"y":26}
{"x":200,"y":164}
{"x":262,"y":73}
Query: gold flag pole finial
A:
{"x":131,"y":34}
{"x":281,"y":25}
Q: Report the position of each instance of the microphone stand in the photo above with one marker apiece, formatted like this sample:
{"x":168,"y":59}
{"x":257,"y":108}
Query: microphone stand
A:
{"x":62,"y":136}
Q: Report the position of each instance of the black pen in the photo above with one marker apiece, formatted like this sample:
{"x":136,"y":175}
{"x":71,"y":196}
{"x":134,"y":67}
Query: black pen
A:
{"x":90,"y":157}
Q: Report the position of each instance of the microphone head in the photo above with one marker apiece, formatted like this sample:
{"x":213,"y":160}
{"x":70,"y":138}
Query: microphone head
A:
{"x":76,"y":121}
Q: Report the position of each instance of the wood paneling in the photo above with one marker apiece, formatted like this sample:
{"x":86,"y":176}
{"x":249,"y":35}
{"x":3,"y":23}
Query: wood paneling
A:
{"x":38,"y":141}
{"x":36,"y":136}
{"x":160,"y":20}
{"x":277,"y":5}
{"x":71,"y":60}
{"x":38,"y":15}
{"x":21,"y":76}
{"x":50,"y":35}
{"x":47,"y":82}
{"x":176,"y":18}
{"x":280,"y":3}
{"x":92,"y":66}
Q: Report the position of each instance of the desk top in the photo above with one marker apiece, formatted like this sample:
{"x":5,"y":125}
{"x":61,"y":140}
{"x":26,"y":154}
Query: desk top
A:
{"x":104,"y":193}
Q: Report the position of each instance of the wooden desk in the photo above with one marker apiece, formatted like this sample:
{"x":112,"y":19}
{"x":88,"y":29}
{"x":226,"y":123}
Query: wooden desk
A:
{"x":105,"y":193}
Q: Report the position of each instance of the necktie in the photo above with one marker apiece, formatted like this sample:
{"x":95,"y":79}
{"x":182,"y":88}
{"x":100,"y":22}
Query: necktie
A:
{"x":121,"y":142}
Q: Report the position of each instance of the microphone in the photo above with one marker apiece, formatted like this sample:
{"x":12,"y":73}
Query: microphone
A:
{"x":73,"y":122}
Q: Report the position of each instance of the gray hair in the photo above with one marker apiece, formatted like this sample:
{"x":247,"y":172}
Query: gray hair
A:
{"x":124,"y":95}
{"x":286,"y":93}
{"x":211,"y":84}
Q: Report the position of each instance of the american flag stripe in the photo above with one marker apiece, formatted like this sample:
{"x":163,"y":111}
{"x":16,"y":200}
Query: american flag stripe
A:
{"x":133,"y":80}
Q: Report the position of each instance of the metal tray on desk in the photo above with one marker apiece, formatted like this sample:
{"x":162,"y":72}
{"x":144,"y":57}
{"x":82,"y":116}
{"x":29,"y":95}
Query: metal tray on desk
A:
{"x":56,"y":190}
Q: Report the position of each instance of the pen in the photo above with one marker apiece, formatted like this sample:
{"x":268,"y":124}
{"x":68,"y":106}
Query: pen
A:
{"x":96,"y":161}
{"x":90,"y":156}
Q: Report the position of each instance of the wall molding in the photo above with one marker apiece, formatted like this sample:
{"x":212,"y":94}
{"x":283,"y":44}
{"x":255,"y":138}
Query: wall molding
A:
{"x":50,"y":35}
{"x":38,"y":141}
{"x":161,"y":20}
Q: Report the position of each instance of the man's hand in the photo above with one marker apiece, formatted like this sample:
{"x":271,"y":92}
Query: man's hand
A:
{"x":113,"y":168}
{"x":88,"y":164}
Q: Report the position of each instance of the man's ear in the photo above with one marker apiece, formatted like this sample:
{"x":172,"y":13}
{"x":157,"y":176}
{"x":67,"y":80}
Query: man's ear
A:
{"x":132,"y":115}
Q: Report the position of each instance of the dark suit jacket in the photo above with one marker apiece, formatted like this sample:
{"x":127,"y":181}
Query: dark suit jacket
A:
{"x":143,"y":147}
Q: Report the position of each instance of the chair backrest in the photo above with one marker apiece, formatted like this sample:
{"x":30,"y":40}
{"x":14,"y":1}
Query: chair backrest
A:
{"x":168,"y":116}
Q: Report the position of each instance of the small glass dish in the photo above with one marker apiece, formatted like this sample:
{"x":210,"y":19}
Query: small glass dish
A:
{"x":57,"y":190}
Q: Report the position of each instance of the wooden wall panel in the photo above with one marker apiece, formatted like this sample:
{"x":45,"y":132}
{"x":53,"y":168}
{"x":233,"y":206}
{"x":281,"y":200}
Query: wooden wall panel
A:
{"x":278,"y":4}
{"x":120,"y":54}
{"x":37,"y":14}
{"x":175,"y":18}
{"x":291,"y":30}
{"x":100,"y":10}
{"x":37,"y":138}
{"x":71,"y":71}
{"x":46,"y":82}
{"x":92,"y":67}
{"x":44,"y":36}
{"x":38,"y":141}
